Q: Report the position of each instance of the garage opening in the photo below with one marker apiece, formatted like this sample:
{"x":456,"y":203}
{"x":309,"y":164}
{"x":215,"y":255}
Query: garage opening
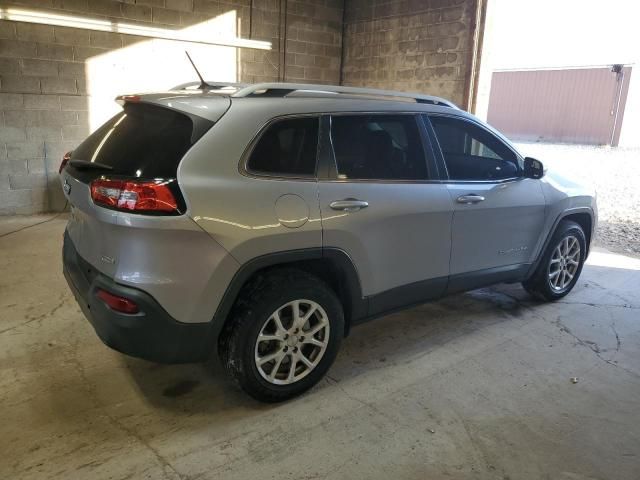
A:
{"x":572,"y":105}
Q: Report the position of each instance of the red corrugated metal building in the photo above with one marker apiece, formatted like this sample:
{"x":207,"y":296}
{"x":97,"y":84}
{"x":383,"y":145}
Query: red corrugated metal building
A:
{"x":573,"y":105}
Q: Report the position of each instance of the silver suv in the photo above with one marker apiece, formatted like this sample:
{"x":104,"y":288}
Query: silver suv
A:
{"x":257,"y":224}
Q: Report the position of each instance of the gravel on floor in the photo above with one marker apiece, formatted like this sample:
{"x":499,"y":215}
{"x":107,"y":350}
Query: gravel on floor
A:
{"x":615,"y":174}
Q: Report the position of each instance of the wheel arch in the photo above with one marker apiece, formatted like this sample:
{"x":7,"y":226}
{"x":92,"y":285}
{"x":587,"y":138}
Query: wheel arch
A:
{"x":332,"y":265}
{"x":583,"y":216}
{"x":585,"y":220}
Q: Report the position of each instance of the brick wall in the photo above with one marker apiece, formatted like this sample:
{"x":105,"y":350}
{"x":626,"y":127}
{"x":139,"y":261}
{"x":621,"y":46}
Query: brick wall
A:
{"x":409,"y":45}
{"x":50,"y":99}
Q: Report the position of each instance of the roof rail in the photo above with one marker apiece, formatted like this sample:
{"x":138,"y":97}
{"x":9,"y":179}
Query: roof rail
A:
{"x":309,"y":90}
{"x":211,"y":85}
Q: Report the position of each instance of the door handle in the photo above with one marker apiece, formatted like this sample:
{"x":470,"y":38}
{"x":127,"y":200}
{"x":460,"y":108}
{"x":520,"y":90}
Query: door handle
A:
{"x":349,"y":205}
{"x":470,"y":199}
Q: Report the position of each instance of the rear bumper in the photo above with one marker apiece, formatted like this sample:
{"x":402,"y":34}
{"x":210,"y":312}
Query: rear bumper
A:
{"x":151,"y":334}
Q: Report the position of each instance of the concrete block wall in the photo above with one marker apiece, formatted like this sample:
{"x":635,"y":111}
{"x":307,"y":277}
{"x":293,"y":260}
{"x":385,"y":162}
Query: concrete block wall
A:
{"x":409,"y":45}
{"x":307,"y":43}
{"x":314,"y":41}
{"x":46,"y":102}
{"x":42,"y":112}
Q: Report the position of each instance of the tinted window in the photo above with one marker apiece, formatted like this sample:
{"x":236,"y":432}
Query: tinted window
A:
{"x":142,"y":141}
{"x":473,"y":153}
{"x":287,"y":147}
{"x":383,"y":147}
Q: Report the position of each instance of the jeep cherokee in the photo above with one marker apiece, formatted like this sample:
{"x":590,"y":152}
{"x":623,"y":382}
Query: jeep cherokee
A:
{"x":258,"y":223}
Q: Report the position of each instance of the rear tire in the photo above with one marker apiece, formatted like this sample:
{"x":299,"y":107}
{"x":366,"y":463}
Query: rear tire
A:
{"x":560,"y":265}
{"x":283,"y":334}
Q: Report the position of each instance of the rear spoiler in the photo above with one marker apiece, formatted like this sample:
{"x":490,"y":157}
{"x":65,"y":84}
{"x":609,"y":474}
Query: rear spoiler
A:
{"x":209,"y":107}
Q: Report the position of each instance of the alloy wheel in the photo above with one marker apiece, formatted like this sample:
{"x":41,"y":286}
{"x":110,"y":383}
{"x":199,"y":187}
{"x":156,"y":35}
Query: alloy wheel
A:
{"x":292,"y":342}
{"x":564,"y":263}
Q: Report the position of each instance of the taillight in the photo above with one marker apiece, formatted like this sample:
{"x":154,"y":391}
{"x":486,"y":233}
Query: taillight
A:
{"x":122,"y":99}
{"x":117,"y":303}
{"x":135,"y":196}
{"x":65,"y":159}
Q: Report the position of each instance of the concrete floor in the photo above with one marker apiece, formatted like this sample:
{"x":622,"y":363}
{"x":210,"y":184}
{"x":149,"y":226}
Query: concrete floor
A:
{"x":477,"y":386}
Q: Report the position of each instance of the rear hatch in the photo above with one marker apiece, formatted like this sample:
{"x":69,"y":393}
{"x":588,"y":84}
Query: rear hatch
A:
{"x":146,"y":141}
{"x":123,"y":177}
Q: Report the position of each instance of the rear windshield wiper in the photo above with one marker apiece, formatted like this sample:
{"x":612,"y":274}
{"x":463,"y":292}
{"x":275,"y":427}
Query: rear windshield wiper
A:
{"x":86,"y":165}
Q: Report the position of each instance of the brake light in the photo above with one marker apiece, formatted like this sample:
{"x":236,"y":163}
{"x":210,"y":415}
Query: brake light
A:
{"x":65,"y":159}
{"x":122,"y":99}
{"x":117,"y":303}
{"x":134,"y":196}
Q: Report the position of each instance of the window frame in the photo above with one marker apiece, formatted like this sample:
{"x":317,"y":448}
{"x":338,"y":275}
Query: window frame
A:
{"x":243,"y":166}
{"x":440,"y":155}
{"x":329,"y":166}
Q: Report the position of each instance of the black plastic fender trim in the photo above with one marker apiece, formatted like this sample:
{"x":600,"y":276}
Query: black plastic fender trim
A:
{"x":354,"y":309}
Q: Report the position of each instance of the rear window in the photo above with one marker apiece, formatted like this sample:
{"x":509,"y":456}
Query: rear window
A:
{"x":288,"y":148}
{"x":143,"y":141}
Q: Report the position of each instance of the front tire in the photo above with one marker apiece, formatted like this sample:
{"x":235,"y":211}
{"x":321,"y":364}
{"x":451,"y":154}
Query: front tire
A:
{"x":561,"y":263}
{"x":283,"y":335}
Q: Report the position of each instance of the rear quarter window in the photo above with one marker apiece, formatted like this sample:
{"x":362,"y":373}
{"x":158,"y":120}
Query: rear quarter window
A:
{"x":287,"y":147}
{"x":143,"y":140}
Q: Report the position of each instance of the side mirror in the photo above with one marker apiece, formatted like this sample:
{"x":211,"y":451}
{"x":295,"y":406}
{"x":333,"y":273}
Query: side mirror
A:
{"x":533,"y":168}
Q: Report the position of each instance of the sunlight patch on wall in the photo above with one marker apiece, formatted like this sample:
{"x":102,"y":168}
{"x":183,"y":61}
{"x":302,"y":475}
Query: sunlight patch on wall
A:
{"x":100,"y":25}
{"x":158,"y":65}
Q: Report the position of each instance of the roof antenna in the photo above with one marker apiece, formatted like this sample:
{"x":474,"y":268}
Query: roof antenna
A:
{"x":203,"y":85}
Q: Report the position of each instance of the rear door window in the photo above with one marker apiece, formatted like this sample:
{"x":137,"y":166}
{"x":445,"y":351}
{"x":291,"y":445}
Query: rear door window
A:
{"x":378,"y":147}
{"x":288,"y":147}
{"x":143,"y":141}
